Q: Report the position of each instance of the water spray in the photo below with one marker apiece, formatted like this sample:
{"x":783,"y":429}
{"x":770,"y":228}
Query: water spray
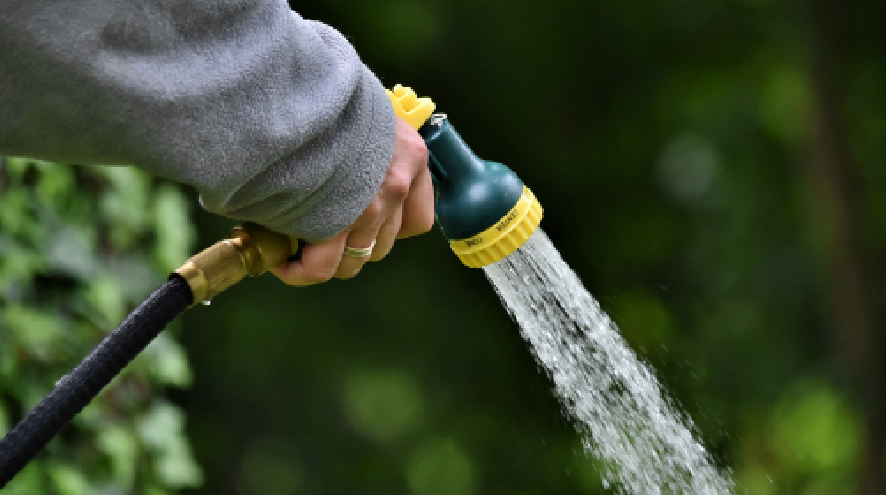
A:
{"x":482,"y":208}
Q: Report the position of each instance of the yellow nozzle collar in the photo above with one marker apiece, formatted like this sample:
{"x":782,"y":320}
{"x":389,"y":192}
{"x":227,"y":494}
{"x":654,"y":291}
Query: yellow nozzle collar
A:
{"x":503,"y":238}
{"x":409,"y":107}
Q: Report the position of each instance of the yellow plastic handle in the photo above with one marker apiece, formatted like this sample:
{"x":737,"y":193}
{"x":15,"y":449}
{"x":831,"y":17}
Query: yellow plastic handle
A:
{"x":409,"y":107}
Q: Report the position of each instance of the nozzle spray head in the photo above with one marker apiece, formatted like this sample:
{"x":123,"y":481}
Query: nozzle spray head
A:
{"x":482,"y":207}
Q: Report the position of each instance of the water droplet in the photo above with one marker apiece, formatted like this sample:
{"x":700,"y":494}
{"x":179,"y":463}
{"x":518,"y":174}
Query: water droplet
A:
{"x":207,"y":303}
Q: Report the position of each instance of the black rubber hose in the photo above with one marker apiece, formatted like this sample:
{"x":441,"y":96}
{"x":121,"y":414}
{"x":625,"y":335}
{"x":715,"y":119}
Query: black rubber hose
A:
{"x":77,"y":389}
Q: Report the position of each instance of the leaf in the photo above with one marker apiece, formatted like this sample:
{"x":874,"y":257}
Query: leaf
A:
{"x":162,"y":430}
{"x":160,"y":425}
{"x":38,"y":332}
{"x":72,"y":259}
{"x":72,"y":251}
{"x":104,"y":297}
{"x":175,"y":234}
{"x":55,"y":184}
{"x":27,"y":482}
{"x":167,"y":362}
{"x":176,"y":466}
{"x":121,"y":446}
{"x":4,"y":420}
{"x":69,"y":481}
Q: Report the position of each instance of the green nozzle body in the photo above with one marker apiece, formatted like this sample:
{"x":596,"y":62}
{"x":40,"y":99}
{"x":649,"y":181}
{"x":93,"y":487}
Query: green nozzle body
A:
{"x":471,"y":194}
{"x":482,"y":207}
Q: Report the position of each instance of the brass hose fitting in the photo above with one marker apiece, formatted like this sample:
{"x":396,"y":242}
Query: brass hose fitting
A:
{"x":249,"y":250}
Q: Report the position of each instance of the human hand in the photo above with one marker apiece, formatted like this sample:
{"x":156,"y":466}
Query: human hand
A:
{"x":403,"y":207}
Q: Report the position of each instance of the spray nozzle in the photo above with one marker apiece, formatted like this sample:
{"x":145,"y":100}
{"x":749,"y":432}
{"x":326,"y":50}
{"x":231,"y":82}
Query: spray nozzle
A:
{"x":482,"y":207}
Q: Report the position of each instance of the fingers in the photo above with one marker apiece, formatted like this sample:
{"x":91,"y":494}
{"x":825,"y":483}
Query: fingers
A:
{"x":407,"y":176}
{"x":403,"y":207}
{"x":318,"y":263}
{"x":418,"y":208}
{"x":365,"y":230}
{"x":386,"y":236}
{"x":358,"y":239}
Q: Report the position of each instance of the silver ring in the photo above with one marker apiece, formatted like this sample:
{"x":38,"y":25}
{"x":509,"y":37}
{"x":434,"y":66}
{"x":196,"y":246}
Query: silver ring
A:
{"x":359,"y":252}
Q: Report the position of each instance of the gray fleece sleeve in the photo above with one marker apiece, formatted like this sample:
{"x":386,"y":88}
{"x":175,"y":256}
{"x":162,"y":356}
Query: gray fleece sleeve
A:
{"x":271,"y":117}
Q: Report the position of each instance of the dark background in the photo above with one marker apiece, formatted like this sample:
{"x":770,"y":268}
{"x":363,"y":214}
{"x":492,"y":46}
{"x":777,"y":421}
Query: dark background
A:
{"x":713,"y":170}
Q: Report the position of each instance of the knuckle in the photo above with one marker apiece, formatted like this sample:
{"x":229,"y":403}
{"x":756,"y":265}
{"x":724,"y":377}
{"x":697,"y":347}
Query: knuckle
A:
{"x":418,"y":156}
{"x":373,"y":210}
{"x":422,"y":152}
{"x":398,"y":185}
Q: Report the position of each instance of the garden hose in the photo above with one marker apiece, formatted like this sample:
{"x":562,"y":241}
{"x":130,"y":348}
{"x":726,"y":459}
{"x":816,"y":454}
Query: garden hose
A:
{"x":482,"y":207}
{"x":77,"y":389}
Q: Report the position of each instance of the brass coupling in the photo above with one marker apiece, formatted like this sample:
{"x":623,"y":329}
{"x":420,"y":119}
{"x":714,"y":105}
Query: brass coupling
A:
{"x":249,"y":250}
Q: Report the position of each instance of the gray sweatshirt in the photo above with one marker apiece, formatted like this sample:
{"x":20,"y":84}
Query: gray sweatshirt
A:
{"x":271,"y":117}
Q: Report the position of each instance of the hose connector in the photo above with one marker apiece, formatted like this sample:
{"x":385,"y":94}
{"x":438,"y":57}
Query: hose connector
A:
{"x":249,"y":250}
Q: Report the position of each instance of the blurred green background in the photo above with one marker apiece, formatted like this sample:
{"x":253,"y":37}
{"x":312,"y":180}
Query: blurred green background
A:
{"x":715,"y":171}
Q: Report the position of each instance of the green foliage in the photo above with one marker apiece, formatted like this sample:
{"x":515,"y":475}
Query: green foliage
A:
{"x":79,"y":248}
